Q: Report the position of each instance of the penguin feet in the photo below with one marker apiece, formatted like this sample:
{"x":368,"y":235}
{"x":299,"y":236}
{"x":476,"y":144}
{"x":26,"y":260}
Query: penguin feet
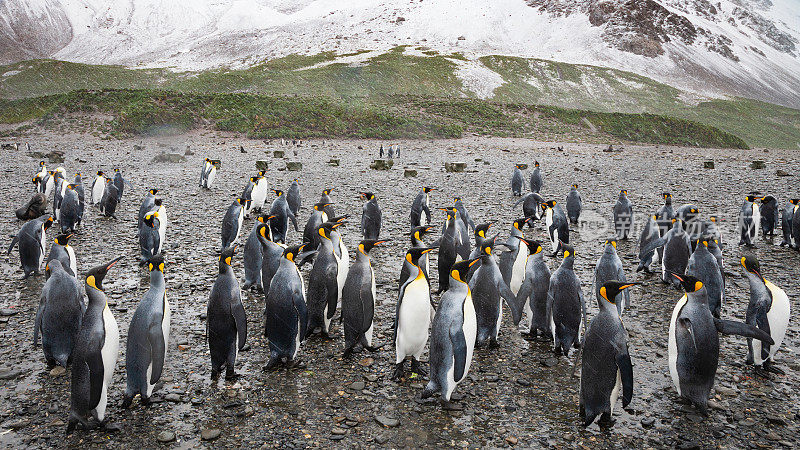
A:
{"x":451,"y":406}
{"x":605,"y":421}
{"x":295,"y":364}
{"x":769,"y":366}
{"x":127,"y":401}
{"x":231,"y":376}
{"x":398,"y":373}
{"x":373,"y":349}
{"x":493,"y":344}
{"x":272,"y":364}
{"x":417,"y":369}
{"x":214,"y":375}
{"x":110,"y":427}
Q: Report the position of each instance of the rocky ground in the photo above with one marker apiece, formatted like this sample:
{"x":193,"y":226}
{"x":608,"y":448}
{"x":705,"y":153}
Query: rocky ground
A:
{"x":518,"y":394}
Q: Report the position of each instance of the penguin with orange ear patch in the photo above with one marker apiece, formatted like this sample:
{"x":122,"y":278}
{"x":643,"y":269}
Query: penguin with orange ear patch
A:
{"x":358,"y":300}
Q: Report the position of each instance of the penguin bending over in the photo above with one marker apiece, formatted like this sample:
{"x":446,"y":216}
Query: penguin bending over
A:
{"x":253,"y":256}
{"x":556,"y":223}
{"x":232,"y":222}
{"x":533,"y":290}
{"x":623,"y":216}
{"x":293,"y":197}
{"x":95,"y":354}
{"x":676,"y":252}
{"x":412,"y":316}
{"x":606,"y":367}
{"x":282,"y":214}
{"x":285,"y":315}
{"x":565,"y":304}
{"x":31,"y":240}
{"x":516,"y":180}
{"x":226,"y":323}
{"x":452,"y":337}
{"x":703,"y":266}
{"x":148,"y":337}
{"x":59,"y":315}
{"x":358,"y":300}
{"x":769,"y":216}
{"x":650,"y":233}
{"x":749,"y":220}
{"x":63,"y":252}
{"x":769,"y":310}
{"x":574,"y":205}
{"x":608,"y":268}
{"x":421,"y":204}
{"x":324,"y":290}
{"x":694,"y":342}
{"x":531,"y":206}
{"x":370,"y":217}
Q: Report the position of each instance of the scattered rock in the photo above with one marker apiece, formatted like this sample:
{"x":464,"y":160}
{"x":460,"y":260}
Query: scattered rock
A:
{"x":278,"y":153}
{"x":381,"y":164}
{"x":609,"y":149}
{"x":400,"y":19}
{"x":648,"y":422}
{"x":165,"y":157}
{"x":338,"y":431}
{"x":294,"y":166}
{"x":708,"y":164}
{"x":209,"y":434}
{"x":57,"y":371}
{"x":550,"y":362}
{"x":172,"y":397}
{"x":8,"y":312}
{"x":388,"y":422}
{"x":409,"y":173}
{"x":782,"y":173}
{"x":455,"y":166}
{"x":512,"y":440}
{"x":333,"y":162}
{"x":166,"y":436}
{"x":262,"y":165}
{"x":357,"y":385}
{"x":758,"y":164}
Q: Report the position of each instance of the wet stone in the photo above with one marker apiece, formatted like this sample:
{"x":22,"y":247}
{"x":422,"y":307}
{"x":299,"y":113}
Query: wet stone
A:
{"x":165,"y":436}
{"x":57,"y":371}
{"x":209,"y":434}
{"x":388,"y":422}
{"x":338,"y":431}
{"x":175,"y":398}
{"x":5,"y":312}
{"x":357,"y":385}
{"x":648,"y":422}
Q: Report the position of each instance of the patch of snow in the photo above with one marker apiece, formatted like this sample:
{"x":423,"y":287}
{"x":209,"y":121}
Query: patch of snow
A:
{"x":11,"y":72}
{"x":477,"y":78}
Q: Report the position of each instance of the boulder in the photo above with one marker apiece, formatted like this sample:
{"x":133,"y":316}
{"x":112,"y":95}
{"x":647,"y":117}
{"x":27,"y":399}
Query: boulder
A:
{"x":165,"y":157}
{"x":278,"y":153}
{"x":262,"y":165}
{"x":381,"y":164}
{"x":409,"y":173}
{"x":333,"y":162}
{"x":758,"y":164}
{"x":455,"y":166}
{"x":294,"y":166}
{"x":708,"y":164}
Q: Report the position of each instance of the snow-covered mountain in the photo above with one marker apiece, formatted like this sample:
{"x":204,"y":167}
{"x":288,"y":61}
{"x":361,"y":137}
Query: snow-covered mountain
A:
{"x":725,"y":47}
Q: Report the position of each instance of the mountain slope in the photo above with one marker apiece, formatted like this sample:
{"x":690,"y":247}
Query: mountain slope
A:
{"x":743,"y":48}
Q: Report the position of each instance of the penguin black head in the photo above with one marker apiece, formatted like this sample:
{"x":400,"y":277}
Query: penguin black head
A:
{"x":451,"y":211}
{"x":611,"y":288}
{"x":320,"y":206}
{"x":36,"y":179}
{"x":427,"y":189}
{"x":623,"y":192}
{"x":149,"y":219}
{"x":750,"y":264}
{"x":483,"y":228}
{"x":519,"y":166}
{"x":325,"y":229}
{"x":72,"y":186}
{"x":752,"y":198}
{"x":339,"y":219}
{"x":456,"y":199}
{"x":368,"y":244}
{"x":100,"y":173}
{"x":574,"y":186}
{"x":367,"y":195}
{"x":712,"y":219}
{"x":243,"y":201}
{"x":327,"y":191}
{"x":265,"y":218}
{"x":156,"y":263}
{"x":157,"y":202}
{"x":265,"y":231}
{"x":536,"y":163}
{"x":566,"y":249}
{"x":690,"y":284}
{"x":519,"y":223}
{"x":613,"y":242}
{"x":534,"y":246}
{"x":795,"y":201}
{"x":226,"y":257}
{"x":414,"y":253}
{"x":488,"y":245}
{"x":153,"y":191}
{"x":277,"y":192}
{"x":292,"y":252}
{"x":767,"y":199}
{"x":63,"y":239}
{"x":667,"y":196}
{"x":550,"y":204}
{"x":41,"y":163}
{"x":95,"y":275}
{"x":460,"y":269}
{"x":254,"y":179}
{"x":48,"y":223}
{"x":116,"y":169}
{"x":420,"y":231}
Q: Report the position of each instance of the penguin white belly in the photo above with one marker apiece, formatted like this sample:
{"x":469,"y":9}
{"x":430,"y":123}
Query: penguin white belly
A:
{"x":368,"y":334}
{"x":42,"y":248}
{"x":413,"y":320}
{"x":162,"y":221}
{"x":753,"y":231}
{"x":553,"y":331}
{"x":673,"y":344}
{"x":297,"y":340}
{"x":211,"y":175}
{"x":165,"y":323}
{"x":528,"y":314}
{"x":343,"y":266}
{"x":615,"y":392}
{"x":423,"y":217}
{"x":470,"y":330}
{"x":548,"y":221}
{"x":48,"y":187}
{"x":778,"y":319}
{"x":239,"y":221}
{"x":73,"y":262}
{"x":97,"y":190}
{"x":499,"y":316}
{"x":108,"y":352}
{"x":518,"y":270}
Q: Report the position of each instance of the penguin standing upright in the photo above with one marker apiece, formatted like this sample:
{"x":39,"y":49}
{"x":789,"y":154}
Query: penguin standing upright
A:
{"x":71,"y":212}
{"x":412,"y":316}
{"x":517,"y":180}
{"x":703,"y":266}
{"x":749,"y":220}
{"x":247,"y":194}
{"x":98,"y":188}
{"x":786,"y":221}
{"x":253,"y":256}
{"x":317,"y":218}
{"x":565,"y":304}
{"x":260,"y":191}
{"x":108,"y":204}
{"x":693,"y":342}
{"x":95,"y":354}
{"x":531,"y":206}
{"x":623,"y":215}
{"x":480,"y":237}
{"x":537,"y":179}
{"x":293,"y":197}
{"x":370,"y":217}
{"x":796,"y":224}
{"x":207,"y":174}
{"x":63,"y":252}
{"x":60,"y":189}
{"x":59,"y":315}
{"x":226,"y":325}
{"x":282,"y":214}
{"x":664,"y":216}
{"x":271,"y":255}
{"x":452,"y":337}
{"x":512,"y":261}
{"x":149,"y":240}
{"x":488,"y":292}
{"x":148,"y":204}
{"x":285,"y":315}
{"x":42,"y":170}
{"x":48,"y":184}
{"x":689,"y":215}
{"x":449,"y":247}
{"x":608,"y":268}
{"x":769,"y":310}
{"x":32,"y":244}
{"x":650,"y":233}
{"x":463,"y":214}
{"x":358,"y":300}
{"x":534,"y":288}
{"x":148,"y":337}
{"x":606,"y":367}
{"x":424,"y":263}
{"x":676,"y":252}
{"x":119,"y":183}
{"x":324,"y":283}
{"x":326,"y":198}
{"x":421,"y":205}
{"x":711,"y":230}
{"x":769,"y":215}
{"x":232,"y":222}
{"x":556,"y":223}
{"x":574,"y":205}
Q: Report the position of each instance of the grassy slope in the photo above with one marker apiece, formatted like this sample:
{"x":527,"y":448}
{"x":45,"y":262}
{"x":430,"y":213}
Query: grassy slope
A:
{"x":376,"y":84}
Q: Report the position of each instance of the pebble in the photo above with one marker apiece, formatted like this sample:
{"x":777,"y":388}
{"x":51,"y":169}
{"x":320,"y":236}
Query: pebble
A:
{"x":57,"y":371}
{"x":209,"y":434}
{"x":357,"y":385}
{"x":550,"y":362}
{"x":166,"y":436}
{"x":387,"y":421}
{"x":512,"y":440}
{"x":172,"y":397}
{"x":648,"y":422}
{"x":337,"y":430}
{"x":6,"y":312}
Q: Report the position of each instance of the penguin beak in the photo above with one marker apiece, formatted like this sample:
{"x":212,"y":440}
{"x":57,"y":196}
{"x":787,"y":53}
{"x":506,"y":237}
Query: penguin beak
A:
{"x":626,"y":286}
{"x":114,"y":261}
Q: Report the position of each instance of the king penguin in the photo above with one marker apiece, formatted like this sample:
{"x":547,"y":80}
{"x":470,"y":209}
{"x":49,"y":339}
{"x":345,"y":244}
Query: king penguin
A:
{"x":749,"y":220}
{"x":450,"y":246}
{"x":148,"y":337}
{"x":326,"y":198}
{"x":62,"y":251}
{"x":95,"y":354}
{"x":285,"y":315}
{"x":512,"y":261}
{"x":769,"y":215}
{"x":148,"y":204}
{"x":412,"y":316}
{"x":769,"y":310}
{"x":71,"y":212}
{"x":260,"y":191}
{"x":324,"y":286}
{"x":606,"y":367}
{"x":703,"y":266}
{"x":421,"y":205}
{"x":480,"y":236}
{"x":676,"y":252}
{"x":693,"y":342}
{"x":317,"y":218}
{"x":452,"y":337}
{"x":98,"y":188}
{"x":358,"y":300}
{"x":271,"y":255}
{"x":207,"y":174}
{"x":282,"y":215}
{"x":59,"y":315}
{"x":247,"y":194}
{"x":786,"y":222}
{"x":533,"y":290}
{"x":424,"y":264}
{"x":32,"y":244}
{"x":650,"y":233}
{"x":565,"y":304}
{"x":119,"y":183}
{"x":149,"y":239}
{"x":531,"y":206}
{"x":293,"y":197}
{"x":516,"y":181}
{"x":574,"y":205}
{"x":110,"y":200}
{"x":557,"y":225}
{"x":253,"y":256}
{"x":609,"y":267}
{"x":537,"y":179}
{"x":232,"y":222}
{"x":623,"y":216}
{"x":226,"y":324}
{"x":370,"y":217}
{"x":488,"y":292}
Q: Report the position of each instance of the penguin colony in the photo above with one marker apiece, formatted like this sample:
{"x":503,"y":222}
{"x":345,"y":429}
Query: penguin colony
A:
{"x":77,"y":328}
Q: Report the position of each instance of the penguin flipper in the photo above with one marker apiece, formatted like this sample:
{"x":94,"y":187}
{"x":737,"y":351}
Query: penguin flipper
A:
{"x":652,"y":246}
{"x":158,"y":349}
{"x":239,"y":316}
{"x":511,"y":300}
{"x":742,"y":329}
{"x":427,"y":212}
{"x":14,"y":241}
{"x":521,"y":200}
{"x":625,"y":368}
{"x":459,"y":342}
{"x":294,"y":221}
{"x":331,"y":294}
{"x":96,"y":373}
